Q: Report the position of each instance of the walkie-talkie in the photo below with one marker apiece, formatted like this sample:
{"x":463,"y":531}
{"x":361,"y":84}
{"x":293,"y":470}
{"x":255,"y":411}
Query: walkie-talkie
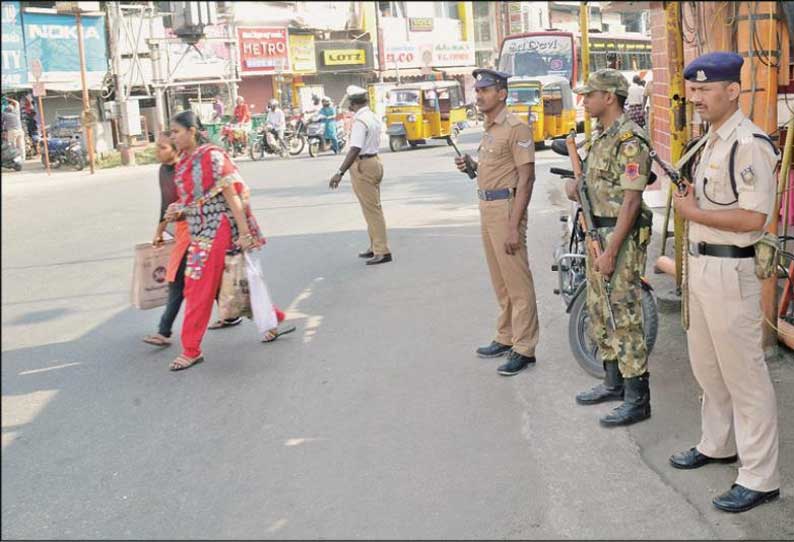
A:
{"x":469,"y":166}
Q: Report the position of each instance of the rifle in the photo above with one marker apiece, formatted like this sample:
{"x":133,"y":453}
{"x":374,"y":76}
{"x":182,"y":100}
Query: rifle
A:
{"x":469,"y":167}
{"x":595,"y":246}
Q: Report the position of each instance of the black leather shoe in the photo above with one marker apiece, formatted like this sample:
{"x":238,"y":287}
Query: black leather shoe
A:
{"x":741,"y":499}
{"x":366,"y":254}
{"x":493,"y":350}
{"x":693,"y":459}
{"x":610,"y":390}
{"x":380,"y":258}
{"x":515,"y":364}
{"x":636,"y":403}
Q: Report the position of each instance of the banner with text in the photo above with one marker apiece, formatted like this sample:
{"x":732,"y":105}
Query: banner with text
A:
{"x":15,"y":66}
{"x":263,"y":50}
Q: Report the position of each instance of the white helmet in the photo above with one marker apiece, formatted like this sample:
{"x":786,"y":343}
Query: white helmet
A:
{"x":273,"y":102}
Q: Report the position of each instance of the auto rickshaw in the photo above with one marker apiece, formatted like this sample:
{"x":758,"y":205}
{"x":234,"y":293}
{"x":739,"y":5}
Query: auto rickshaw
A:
{"x":421,"y":111}
{"x":552,"y":114}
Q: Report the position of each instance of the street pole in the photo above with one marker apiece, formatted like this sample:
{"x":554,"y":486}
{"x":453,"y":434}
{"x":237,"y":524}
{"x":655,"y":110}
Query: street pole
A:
{"x":157,"y":76}
{"x":115,"y":17}
{"x":381,"y":55}
{"x":584,"y":26}
{"x":44,"y":137}
{"x":87,"y":116}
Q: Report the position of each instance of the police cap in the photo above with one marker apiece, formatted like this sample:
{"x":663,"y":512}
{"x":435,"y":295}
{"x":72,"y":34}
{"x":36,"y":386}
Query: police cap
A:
{"x":486,"y":78}
{"x":717,"y":66}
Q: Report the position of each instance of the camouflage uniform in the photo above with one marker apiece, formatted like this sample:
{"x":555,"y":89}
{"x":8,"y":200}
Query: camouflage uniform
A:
{"x":618,"y":160}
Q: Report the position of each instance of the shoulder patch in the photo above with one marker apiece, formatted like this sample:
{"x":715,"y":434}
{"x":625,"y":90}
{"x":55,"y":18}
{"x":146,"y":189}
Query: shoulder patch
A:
{"x":748,"y":176}
{"x":632,"y":171}
{"x":625,"y":136}
{"x":524,"y":144}
{"x":630,"y":148}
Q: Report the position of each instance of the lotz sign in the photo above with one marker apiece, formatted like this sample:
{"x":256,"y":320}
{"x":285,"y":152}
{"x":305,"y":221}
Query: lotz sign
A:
{"x":344,"y":57}
{"x":263,"y":50}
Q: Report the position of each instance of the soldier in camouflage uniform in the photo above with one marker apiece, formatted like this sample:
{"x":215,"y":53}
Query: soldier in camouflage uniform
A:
{"x":616,"y":170}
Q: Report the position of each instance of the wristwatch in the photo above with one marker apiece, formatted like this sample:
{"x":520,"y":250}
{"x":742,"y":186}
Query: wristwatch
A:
{"x":340,"y":172}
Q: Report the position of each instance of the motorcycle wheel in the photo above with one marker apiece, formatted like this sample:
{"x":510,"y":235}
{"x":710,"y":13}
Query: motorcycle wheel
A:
{"x":314,"y":148}
{"x":17,"y":167}
{"x":296,"y":144}
{"x":79,"y":162}
{"x":585,"y":351}
{"x":257,"y":151}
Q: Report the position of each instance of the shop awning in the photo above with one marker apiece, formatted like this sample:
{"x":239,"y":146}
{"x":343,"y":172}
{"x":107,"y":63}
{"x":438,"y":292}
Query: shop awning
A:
{"x":407,"y":72}
{"x":456,"y":70}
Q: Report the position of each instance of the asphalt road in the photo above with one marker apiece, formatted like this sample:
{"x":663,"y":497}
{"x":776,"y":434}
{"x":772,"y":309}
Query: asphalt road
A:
{"x":373,"y":420}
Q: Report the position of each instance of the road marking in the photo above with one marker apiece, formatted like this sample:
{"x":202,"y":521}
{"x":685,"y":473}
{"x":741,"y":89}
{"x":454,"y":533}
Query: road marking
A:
{"x":45,"y":369}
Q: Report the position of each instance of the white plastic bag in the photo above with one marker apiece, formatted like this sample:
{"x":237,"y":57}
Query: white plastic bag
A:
{"x":261,"y":303}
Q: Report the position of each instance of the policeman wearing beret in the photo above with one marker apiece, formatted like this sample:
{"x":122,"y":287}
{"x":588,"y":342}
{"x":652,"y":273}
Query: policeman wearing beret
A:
{"x":366,"y":172}
{"x":617,"y":169}
{"x":505,"y":174}
{"x":728,"y":208}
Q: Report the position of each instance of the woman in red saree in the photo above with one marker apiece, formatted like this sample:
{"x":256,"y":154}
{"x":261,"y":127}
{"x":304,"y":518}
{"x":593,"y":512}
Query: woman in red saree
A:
{"x":214,"y":200}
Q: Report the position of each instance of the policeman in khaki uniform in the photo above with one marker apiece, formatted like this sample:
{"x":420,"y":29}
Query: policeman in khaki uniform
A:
{"x":505,"y":175}
{"x":732,"y":203}
{"x":366,"y":171}
{"x":616,"y":170}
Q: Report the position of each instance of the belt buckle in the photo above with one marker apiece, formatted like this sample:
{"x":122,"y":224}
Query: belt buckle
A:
{"x":701,"y":248}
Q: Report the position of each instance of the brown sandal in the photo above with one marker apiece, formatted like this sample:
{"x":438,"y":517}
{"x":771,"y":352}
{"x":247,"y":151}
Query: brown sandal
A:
{"x":183,"y":362}
{"x":157,"y":340}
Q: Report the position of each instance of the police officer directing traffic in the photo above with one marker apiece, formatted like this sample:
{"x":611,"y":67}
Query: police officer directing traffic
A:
{"x":366,"y":172}
{"x":505,"y":176}
{"x":616,"y":170}
{"x":728,"y":209}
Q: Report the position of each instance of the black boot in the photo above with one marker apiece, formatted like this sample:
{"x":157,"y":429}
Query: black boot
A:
{"x":636,"y":406}
{"x":610,"y":390}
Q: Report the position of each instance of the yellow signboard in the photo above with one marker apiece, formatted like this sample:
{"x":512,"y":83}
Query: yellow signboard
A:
{"x":341,"y":57}
{"x":301,"y":52}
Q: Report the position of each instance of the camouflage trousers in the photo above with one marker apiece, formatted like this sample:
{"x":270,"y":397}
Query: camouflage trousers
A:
{"x":626,"y":344}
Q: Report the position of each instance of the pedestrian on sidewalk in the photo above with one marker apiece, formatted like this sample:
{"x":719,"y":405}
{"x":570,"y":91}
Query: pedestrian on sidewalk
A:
{"x":729,"y":208}
{"x":214,"y":200}
{"x":366,"y":172}
{"x":12,"y":123}
{"x":505,"y":176}
{"x":636,"y":100}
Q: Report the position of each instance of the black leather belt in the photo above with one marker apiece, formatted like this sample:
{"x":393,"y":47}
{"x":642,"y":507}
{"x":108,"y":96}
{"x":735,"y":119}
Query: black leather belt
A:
{"x":367,"y":155}
{"x":721,"y":251}
{"x":491,"y":195}
{"x":605,"y":221}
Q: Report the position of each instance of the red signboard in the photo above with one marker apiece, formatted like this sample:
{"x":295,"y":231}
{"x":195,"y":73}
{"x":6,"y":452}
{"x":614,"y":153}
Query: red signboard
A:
{"x":263,"y":49}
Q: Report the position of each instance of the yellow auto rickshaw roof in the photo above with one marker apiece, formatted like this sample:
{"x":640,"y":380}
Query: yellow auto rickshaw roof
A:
{"x":427,"y":85}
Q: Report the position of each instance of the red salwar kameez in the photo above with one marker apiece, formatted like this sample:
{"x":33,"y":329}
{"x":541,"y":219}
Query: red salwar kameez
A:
{"x":200,"y":178}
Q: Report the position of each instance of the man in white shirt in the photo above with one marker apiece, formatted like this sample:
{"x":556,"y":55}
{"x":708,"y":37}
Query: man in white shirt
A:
{"x":366,"y":172}
{"x":634,"y":102}
{"x":275,"y":117}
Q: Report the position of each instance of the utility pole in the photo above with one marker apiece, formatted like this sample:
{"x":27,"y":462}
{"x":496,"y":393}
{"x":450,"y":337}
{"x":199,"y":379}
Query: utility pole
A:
{"x":88,"y":117}
{"x":157,"y":76}
{"x":116,"y":21}
{"x":584,"y":31}
{"x":381,"y":54}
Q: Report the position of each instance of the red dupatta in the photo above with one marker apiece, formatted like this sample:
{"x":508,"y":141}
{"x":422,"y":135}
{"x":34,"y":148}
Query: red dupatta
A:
{"x":200,"y":178}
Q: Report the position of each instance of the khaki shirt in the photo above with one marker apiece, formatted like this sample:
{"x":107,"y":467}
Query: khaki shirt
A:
{"x":506,"y":144}
{"x":754,"y":168}
{"x":617,"y":161}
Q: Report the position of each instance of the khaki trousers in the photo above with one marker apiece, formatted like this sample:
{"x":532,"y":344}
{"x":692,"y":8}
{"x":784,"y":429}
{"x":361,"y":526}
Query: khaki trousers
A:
{"x":511,"y":277}
{"x":366,"y":175}
{"x":739,"y":410}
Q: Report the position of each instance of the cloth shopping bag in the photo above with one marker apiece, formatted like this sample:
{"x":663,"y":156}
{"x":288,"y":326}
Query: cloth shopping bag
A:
{"x":149,"y":284}
{"x":233,"y":298}
{"x":264,"y":314}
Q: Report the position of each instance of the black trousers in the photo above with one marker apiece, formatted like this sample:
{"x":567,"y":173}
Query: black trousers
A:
{"x":175,"y":296}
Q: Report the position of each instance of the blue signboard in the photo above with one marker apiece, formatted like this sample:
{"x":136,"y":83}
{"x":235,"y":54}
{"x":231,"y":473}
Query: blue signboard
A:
{"x":53,"y":40}
{"x":15,"y":68}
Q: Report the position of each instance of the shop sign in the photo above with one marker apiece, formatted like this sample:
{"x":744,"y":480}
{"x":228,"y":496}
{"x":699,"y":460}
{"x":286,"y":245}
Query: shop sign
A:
{"x":453,"y":54}
{"x":263,"y":49}
{"x":344,"y":57}
{"x":301,"y":52}
{"x":53,"y":40}
{"x":404,"y":55}
{"x":420,"y":24}
{"x":15,"y":70}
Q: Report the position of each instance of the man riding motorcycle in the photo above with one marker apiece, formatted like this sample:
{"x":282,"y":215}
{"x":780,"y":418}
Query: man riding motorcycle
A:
{"x":275,"y":118}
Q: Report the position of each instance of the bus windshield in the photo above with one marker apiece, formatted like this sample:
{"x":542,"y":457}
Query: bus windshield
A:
{"x":538,"y":55}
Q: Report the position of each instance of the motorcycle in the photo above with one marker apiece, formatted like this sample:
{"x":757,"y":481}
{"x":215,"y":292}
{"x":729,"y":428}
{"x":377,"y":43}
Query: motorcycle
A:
{"x":65,"y":150}
{"x":11,"y":158}
{"x":295,"y":135}
{"x":569,"y":264}
{"x":265,"y":141}
{"x":315,"y":135}
{"x":233,"y":138}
